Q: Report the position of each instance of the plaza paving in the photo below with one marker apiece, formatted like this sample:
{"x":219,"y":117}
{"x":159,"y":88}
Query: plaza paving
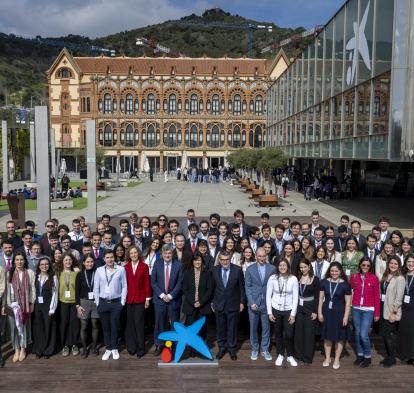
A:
{"x":174,"y":198}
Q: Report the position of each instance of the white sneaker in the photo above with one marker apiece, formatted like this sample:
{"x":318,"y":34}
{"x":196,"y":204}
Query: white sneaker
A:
{"x":106,"y":355}
{"x":254,"y":355}
{"x":292,"y":361}
{"x":115,"y":354}
{"x":279,"y":360}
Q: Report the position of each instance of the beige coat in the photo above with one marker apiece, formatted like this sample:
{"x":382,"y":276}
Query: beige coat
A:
{"x":394,"y":297}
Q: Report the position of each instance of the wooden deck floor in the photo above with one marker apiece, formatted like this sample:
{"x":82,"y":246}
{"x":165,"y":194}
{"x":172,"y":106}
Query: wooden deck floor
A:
{"x":129,"y":374}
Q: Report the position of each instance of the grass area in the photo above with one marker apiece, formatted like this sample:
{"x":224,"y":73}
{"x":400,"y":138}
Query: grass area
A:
{"x":134,"y":183}
{"x":78,"y":203}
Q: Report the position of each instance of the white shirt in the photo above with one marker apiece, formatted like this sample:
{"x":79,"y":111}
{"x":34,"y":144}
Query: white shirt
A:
{"x":117,"y":287}
{"x":322,"y":271}
{"x":169,"y":266}
{"x":75,"y":236}
{"x":55,"y":291}
{"x":282,"y":294}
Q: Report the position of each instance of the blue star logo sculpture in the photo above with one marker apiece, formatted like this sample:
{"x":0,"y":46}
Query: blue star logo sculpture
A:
{"x":187,"y":335}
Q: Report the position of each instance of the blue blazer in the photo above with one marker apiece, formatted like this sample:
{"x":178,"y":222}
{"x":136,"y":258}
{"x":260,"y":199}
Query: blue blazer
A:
{"x":255,"y":289}
{"x":175,"y":283}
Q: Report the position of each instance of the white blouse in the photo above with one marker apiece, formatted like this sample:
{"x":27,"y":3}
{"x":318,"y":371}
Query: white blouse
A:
{"x":282,"y":294}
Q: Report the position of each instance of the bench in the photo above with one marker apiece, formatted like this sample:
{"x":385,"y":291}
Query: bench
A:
{"x":257,"y":193}
{"x":267,"y":200}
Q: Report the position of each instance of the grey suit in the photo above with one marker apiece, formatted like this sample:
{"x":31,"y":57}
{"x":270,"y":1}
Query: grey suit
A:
{"x":256,"y":294}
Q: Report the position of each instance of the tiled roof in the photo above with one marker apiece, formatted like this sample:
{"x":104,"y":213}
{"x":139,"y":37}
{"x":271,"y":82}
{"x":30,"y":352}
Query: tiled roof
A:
{"x":164,"y":65}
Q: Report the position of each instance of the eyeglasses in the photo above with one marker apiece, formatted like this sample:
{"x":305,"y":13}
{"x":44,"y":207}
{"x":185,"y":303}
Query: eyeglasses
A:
{"x":49,"y":226}
{"x":224,"y":260}
{"x":366,"y":265}
{"x":162,"y":219}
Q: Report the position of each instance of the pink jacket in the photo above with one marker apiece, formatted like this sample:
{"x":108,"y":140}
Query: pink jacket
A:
{"x":371,"y":296}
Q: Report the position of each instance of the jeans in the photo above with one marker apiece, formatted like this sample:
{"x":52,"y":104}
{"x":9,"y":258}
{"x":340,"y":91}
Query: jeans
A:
{"x":362,"y":323}
{"x":109,"y":314}
{"x":254,"y":318}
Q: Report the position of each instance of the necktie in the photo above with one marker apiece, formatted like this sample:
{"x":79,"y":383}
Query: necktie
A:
{"x":167,"y":277}
{"x":8,"y":264}
{"x":96,"y":253}
{"x":371,"y":255}
{"x":193,"y":246}
{"x":261,"y":274}
{"x":224,"y":278}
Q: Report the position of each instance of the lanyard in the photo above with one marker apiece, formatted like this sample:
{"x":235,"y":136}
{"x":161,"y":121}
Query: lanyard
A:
{"x":385,"y":286}
{"x":41,"y":284}
{"x":302,"y":289}
{"x":318,"y":268}
{"x":87,"y":281}
{"x":66,"y":278}
{"x":151,"y":261}
{"x":362,"y":277}
{"x":109,"y":280}
{"x":283,"y":286}
{"x":332,"y":294}
{"x":408,"y":285}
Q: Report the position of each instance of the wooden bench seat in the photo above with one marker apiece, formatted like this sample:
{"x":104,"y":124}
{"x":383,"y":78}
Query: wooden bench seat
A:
{"x":267,"y":200}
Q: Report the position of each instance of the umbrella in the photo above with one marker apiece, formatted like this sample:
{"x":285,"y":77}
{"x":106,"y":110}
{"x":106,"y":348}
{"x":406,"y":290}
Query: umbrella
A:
{"x":118,"y":166}
{"x":205,"y":162}
{"x":226,"y":153}
{"x":144,"y":163}
{"x":63,"y":166}
{"x":184,"y":160}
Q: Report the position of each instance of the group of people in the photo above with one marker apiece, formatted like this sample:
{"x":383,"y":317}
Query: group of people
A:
{"x":305,"y":282}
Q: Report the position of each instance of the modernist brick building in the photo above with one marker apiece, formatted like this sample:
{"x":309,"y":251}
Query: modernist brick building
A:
{"x":166,"y":108}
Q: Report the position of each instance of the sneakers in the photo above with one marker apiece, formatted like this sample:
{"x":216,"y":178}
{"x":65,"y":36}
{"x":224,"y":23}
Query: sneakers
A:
{"x":65,"y":351}
{"x":115,"y":354}
{"x":267,"y":355}
{"x":279,"y":360}
{"x":75,"y":350}
{"x":291,"y":360}
{"x":254,"y":355}
{"x":107,"y":355}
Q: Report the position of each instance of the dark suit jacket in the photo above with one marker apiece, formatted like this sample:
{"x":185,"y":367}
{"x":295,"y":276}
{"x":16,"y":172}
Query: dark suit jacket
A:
{"x":376,"y":252}
{"x":229,"y":298}
{"x":339,"y":244}
{"x":186,"y":258}
{"x":205,"y":291}
{"x":255,"y":288}
{"x":16,"y":241}
{"x":245,"y":229}
{"x":188,"y":245}
{"x":175,"y":283}
{"x":208,"y":262}
{"x":313,"y":242}
{"x":99,"y":260}
{"x":216,"y":251}
{"x":411,"y":241}
{"x":362,"y":243}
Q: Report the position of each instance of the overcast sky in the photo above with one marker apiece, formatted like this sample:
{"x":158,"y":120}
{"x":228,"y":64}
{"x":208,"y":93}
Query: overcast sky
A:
{"x":96,"y":18}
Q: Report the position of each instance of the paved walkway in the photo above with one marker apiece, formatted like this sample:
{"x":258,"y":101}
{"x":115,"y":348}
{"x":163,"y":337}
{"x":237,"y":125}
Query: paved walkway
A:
{"x":174,"y":198}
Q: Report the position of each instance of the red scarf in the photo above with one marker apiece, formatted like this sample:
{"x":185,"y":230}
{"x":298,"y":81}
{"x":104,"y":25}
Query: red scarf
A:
{"x":21,"y":293}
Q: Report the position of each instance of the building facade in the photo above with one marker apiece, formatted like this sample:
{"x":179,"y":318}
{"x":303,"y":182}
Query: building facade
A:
{"x":346,"y":103}
{"x":164,"y":109}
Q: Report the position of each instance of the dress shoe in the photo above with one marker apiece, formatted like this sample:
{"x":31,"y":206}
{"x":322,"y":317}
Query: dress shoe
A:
{"x":46,"y":357}
{"x":220,"y":354}
{"x":1,"y":362}
{"x":139,"y":356}
{"x":358,"y":361}
{"x":95,"y":351}
{"x":84,"y":353}
{"x":389,"y":362}
{"x":157,"y":351}
{"x":131,"y":353}
{"x":233,"y":356}
{"x":366,"y":362}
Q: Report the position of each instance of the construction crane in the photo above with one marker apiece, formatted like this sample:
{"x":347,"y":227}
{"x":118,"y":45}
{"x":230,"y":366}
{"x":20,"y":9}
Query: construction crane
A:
{"x":156,"y":47}
{"x":296,"y":37}
{"x":249,"y":27}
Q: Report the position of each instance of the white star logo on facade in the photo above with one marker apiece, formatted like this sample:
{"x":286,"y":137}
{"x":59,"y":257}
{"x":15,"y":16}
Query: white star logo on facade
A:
{"x":361,"y":48}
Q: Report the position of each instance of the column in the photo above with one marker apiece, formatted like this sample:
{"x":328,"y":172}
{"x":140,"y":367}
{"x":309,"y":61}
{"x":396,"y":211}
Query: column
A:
{"x":32,"y":154}
{"x":42,"y":164}
{"x":5,"y":157}
{"x":53,"y":156}
{"x":91,"y":171}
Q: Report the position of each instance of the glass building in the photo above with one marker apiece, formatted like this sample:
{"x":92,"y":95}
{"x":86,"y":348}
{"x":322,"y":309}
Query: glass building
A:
{"x":346,"y":103}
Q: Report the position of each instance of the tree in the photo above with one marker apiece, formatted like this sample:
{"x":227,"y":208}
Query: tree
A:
{"x":271,"y":158}
{"x":80,"y":156}
{"x":21,"y":151}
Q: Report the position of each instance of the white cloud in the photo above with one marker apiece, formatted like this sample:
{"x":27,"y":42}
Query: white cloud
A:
{"x":92,"y":18}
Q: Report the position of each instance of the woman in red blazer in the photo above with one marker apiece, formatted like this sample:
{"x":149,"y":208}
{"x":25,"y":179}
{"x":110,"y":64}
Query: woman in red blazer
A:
{"x":138,"y":299}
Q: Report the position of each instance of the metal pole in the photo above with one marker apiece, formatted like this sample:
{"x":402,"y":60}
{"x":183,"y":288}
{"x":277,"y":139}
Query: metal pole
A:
{"x":32,"y":154}
{"x":53,"y":158}
{"x":42,"y":164}
{"x":91,"y":170}
{"x":5,"y":157}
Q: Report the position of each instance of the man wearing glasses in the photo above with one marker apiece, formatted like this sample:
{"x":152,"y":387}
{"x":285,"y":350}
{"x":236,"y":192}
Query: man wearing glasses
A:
{"x":44,"y":240}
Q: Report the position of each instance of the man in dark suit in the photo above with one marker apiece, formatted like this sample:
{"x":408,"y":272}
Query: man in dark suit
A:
{"x":190,"y":219}
{"x":138,"y":239}
{"x":239,"y":219}
{"x":97,"y":249}
{"x":371,"y":251}
{"x":279,"y":242}
{"x":44,"y":239}
{"x":228,"y":303}
{"x":133,"y":221}
{"x":356,"y":232}
{"x":341,"y":239}
{"x":318,"y":238}
{"x":166,"y":283}
{"x":27,"y":238}
{"x":213,"y":247}
{"x":11,"y":235}
{"x":106,"y":219}
{"x":123,"y":230}
{"x":266,"y":232}
{"x":180,"y":253}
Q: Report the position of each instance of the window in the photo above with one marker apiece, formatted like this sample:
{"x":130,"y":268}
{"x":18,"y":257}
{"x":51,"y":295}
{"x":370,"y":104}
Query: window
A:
{"x":259,"y":105}
{"x":108,"y":106}
{"x":236,"y":136}
{"x":151,"y":104}
{"x":136,"y":106}
{"x":88,"y":104}
{"x":215,"y":137}
{"x":108,"y":136}
{"x":100,"y":136}
{"x":216,"y":104}
{"x":257,"y":137}
{"x":64,"y":73}
{"x":377,"y":104}
{"x":129,"y":107}
{"x":100,"y":105}
{"x":122,"y":105}
{"x":193,"y":142}
{"x":172,"y":137}
{"x":129,"y":136}
{"x":237,"y":105}
{"x":194,"y":104}
{"x":172,"y":107}
{"x":151,"y":136}
{"x":114,"y":104}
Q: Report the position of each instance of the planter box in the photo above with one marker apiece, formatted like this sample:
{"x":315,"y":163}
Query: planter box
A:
{"x":64,"y":204}
{"x":98,"y":194}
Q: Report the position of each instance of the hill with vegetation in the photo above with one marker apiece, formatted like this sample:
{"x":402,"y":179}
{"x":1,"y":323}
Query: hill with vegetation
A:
{"x":23,"y":63}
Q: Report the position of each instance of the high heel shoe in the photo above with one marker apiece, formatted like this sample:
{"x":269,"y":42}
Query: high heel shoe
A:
{"x":326,"y":363}
{"x":16,"y":355}
{"x":22,"y":354}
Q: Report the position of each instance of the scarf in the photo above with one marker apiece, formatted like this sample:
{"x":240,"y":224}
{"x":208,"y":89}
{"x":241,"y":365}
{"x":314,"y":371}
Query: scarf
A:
{"x":21,"y":293}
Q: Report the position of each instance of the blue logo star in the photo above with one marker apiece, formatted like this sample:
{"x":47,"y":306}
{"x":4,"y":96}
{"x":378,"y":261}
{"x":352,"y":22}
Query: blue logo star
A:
{"x":187,"y":336}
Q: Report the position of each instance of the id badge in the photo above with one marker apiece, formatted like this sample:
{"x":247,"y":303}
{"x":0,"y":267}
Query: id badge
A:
{"x":348,"y":272}
{"x":383,"y":297}
{"x":301,"y":301}
{"x":40,"y":299}
{"x":330,"y":305}
{"x":406,"y":298}
{"x":90,"y":295}
{"x":67,"y":294}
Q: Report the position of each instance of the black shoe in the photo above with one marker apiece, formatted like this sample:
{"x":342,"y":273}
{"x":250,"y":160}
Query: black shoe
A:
{"x":157,"y":351}
{"x":233,"y":356}
{"x":95,"y":351}
{"x":46,"y":357}
{"x":131,"y":353}
{"x":220,"y":354}
{"x":1,"y":362}
{"x":358,"y":360}
{"x":366,"y":362}
{"x":139,"y":356}
{"x":84,"y":353}
{"x":389,"y":362}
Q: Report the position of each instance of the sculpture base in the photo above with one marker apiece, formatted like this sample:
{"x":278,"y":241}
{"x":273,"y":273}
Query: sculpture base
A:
{"x":192,"y":362}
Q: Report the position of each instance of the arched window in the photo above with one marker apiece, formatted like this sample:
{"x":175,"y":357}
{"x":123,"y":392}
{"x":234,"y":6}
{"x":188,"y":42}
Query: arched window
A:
{"x":107,"y":106}
{"x":64,"y":73}
{"x":88,"y":104}
{"x":237,"y":105}
{"x":172,"y":136}
{"x":136,"y":137}
{"x":215,"y":141}
{"x":194,"y":104}
{"x":129,"y":136}
{"x":122,"y":105}
{"x":136,"y":105}
{"x":193,"y":136}
{"x":172,"y":106}
{"x":114,"y":105}
{"x":257,"y":137}
{"x":108,"y":135}
{"x":151,"y":136}
{"x":377,"y":105}
{"x":100,"y":105}
{"x":129,"y":105}
{"x":259,"y":105}
{"x":216,"y":104}
{"x":100,"y":136}
{"x":236,"y":137}
{"x":151,"y":104}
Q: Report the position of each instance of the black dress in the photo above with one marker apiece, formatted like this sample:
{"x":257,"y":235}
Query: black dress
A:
{"x":405,"y":336}
{"x":44,"y":325}
{"x":305,"y":327}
